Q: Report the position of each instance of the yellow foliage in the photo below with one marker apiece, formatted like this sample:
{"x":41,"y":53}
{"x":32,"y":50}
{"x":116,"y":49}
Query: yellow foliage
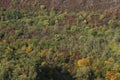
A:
{"x":9,"y":49}
{"x":83,"y":62}
{"x":46,"y":22}
{"x":110,"y":75}
{"x":42,"y":6}
{"x":107,"y":63}
{"x":101,"y":17}
{"x":29,"y":49}
{"x":43,"y":52}
{"x":43,"y":63}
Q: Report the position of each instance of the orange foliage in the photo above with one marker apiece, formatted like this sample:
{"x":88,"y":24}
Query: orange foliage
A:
{"x":110,"y":75}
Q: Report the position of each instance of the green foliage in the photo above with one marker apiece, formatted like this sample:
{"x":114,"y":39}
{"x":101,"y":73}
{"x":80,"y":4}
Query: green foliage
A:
{"x":57,"y":37}
{"x":84,"y":73}
{"x":51,"y":45}
{"x":13,"y":14}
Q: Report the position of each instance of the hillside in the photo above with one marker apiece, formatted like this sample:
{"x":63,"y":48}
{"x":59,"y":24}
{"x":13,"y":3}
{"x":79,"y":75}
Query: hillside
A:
{"x":59,"y":40}
{"x":63,"y":4}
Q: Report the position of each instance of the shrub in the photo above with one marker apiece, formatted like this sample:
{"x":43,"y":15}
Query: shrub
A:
{"x":2,"y":34}
{"x":83,"y":62}
{"x":84,"y":73}
{"x":110,"y":75}
{"x":57,"y":37}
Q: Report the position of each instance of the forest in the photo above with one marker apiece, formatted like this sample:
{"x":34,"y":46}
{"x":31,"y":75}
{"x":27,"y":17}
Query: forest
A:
{"x":59,"y":40}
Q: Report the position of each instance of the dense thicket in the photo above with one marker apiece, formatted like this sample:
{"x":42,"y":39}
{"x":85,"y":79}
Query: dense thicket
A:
{"x":37,"y":44}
